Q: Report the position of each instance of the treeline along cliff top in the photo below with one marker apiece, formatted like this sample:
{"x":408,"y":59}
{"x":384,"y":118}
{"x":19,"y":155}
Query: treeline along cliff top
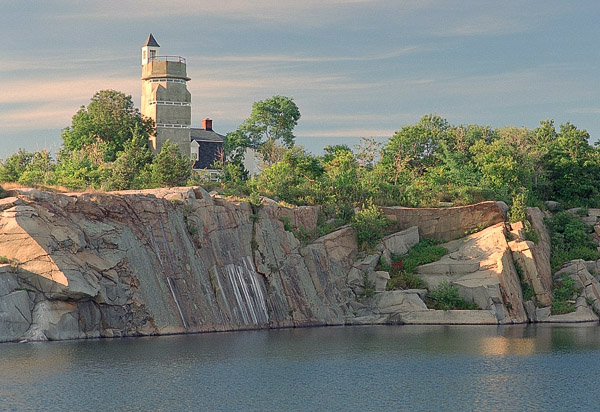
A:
{"x":429,"y":163}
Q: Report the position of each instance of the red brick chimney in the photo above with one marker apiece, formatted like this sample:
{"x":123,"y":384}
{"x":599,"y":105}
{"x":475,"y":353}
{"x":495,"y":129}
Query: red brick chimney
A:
{"x":207,"y":124}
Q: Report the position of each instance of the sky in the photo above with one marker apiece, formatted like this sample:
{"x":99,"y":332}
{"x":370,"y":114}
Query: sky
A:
{"x":355,"y":68}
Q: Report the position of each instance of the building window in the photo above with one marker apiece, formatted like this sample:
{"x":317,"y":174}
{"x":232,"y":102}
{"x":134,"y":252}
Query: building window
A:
{"x":152,"y":54}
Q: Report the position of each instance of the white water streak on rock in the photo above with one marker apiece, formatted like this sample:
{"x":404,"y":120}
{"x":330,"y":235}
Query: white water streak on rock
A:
{"x":247,"y":289}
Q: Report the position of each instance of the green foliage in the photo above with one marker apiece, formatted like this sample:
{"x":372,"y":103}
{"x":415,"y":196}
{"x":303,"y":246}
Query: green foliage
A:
{"x":4,"y":260}
{"x":573,"y":167}
{"x":404,"y":280}
{"x":369,"y":223}
{"x":270,"y":124}
{"x":564,"y":293}
{"x":518,"y":208}
{"x":295,"y":179}
{"x":445,"y":297}
{"x":287,"y":225}
{"x":32,"y":169}
{"x":562,"y":308}
{"x":110,"y":118}
{"x":570,"y":240}
{"x":3,"y":193}
{"x":368,"y":287}
{"x":402,"y":268}
{"x":341,"y":175}
{"x":170,"y":167}
{"x":13,"y":167}
{"x":426,"y":251}
{"x":132,"y":168}
{"x":528,"y":293}
{"x":80,"y":169}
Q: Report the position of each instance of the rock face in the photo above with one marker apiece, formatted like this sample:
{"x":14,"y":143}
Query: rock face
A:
{"x":534,"y":258}
{"x":163,"y":261}
{"x":448,"y":223}
{"x":481,"y":266}
{"x":181,"y":261}
{"x":587,"y":301}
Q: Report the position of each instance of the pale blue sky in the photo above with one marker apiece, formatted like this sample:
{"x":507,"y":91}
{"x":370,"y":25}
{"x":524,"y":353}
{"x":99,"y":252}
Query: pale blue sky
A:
{"x":356,"y":68}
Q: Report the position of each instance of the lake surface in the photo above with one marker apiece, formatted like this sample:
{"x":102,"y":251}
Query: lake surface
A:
{"x":374,"y":368}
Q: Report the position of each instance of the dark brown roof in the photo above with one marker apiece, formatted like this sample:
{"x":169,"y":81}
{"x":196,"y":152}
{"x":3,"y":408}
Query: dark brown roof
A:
{"x":151,"y":41}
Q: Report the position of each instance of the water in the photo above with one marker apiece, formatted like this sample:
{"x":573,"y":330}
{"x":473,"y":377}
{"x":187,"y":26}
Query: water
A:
{"x":378,"y":368}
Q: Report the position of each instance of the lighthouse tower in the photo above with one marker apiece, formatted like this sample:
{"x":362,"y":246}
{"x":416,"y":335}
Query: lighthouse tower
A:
{"x":165,"y":97}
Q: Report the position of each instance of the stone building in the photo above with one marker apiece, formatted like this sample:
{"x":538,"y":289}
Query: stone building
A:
{"x":166,"y":100}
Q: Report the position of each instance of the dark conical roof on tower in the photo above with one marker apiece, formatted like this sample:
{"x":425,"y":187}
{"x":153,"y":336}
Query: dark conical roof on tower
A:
{"x":151,"y":41}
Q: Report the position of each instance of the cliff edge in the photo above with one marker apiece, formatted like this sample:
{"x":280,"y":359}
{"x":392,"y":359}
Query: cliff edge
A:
{"x":179,"y":260}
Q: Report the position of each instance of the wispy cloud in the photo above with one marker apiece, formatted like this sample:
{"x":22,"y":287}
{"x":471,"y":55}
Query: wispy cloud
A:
{"x":353,"y":132}
{"x":483,"y":25}
{"x":309,"y":59}
{"x":50,"y":103}
{"x":306,"y":13}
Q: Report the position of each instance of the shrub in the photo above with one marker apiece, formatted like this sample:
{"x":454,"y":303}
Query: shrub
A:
{"x":426,"y":251}
{"x":564,"y":292}
{"x":402,"y":267}
{"x":518,"y":208}
{"x":287,"y":223}
{"x":368,"y":286}
{"x":570,"y":240}
{"x":369,"y":223}
{"x":528,"y":293}
{"x":445,"y":297}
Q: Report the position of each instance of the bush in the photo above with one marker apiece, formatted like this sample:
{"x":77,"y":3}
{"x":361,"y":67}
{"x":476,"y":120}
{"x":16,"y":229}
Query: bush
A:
{"x":570,"y":240}
{"x":528,"y":293}
{"x":369,"y":223}
{"x":518,"y":208}
{"x":402,"y":267}
{"x":564,"y":292}
{"x":426,"y":251}
{"x":445,"y":297}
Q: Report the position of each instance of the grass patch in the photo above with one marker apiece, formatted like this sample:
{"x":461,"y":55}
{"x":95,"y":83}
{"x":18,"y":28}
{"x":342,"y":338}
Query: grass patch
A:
{"x":402,"y":268}
{"x":445,"y":297}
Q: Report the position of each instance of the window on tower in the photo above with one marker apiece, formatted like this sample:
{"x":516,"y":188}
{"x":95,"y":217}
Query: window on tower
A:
{"x":152,"y":54}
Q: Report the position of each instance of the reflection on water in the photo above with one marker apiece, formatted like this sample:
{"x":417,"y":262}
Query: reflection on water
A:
{"x":379,"y":368}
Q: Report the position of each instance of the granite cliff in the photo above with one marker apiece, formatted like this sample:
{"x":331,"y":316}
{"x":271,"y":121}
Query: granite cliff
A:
{"x":182,"y":261}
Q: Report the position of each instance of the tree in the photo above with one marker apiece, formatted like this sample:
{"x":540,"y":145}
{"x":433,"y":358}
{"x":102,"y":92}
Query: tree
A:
{"x":81,"y":169}
{"x":170,"y":167}
{"x":111,"y":119}
{"x":270,"y":124}
{"x":294,"y":179}
{"x":40,"y":169}
{"x":573,"y":167}
{"x":28,"y":168}
{"x":131,"y":170}
{"x":13,"y":167}
{"x":411,"y":150}
{"x":341,"y":174}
